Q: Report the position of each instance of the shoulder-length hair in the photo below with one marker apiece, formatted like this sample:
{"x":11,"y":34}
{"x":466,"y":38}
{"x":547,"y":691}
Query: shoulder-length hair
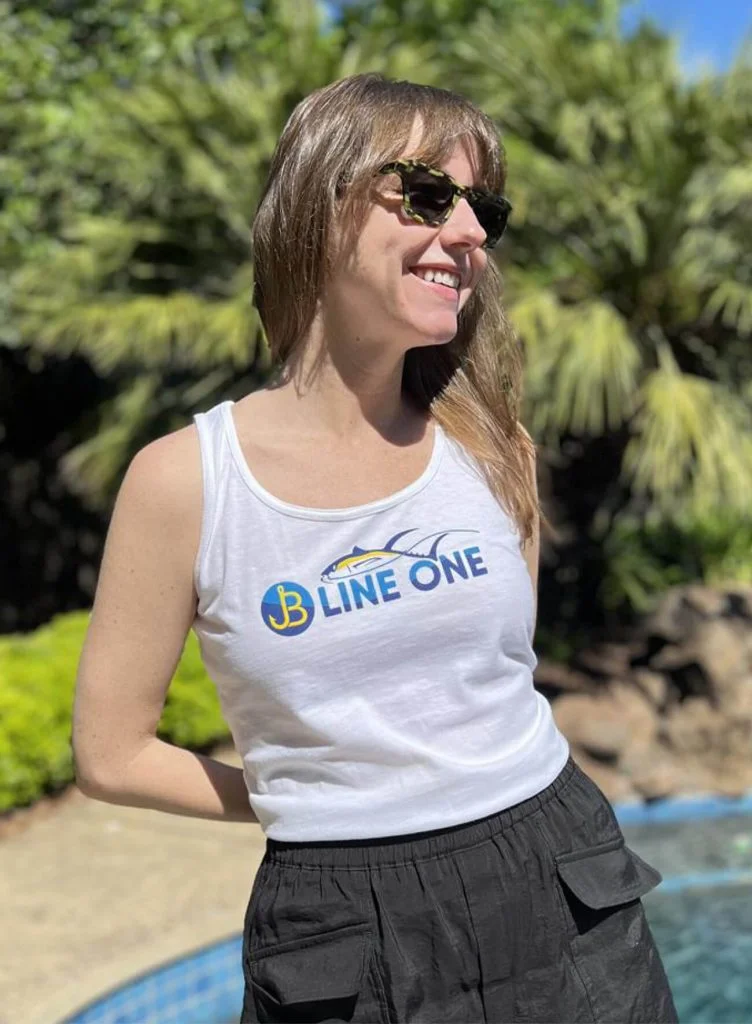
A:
{"x":321,"y":176}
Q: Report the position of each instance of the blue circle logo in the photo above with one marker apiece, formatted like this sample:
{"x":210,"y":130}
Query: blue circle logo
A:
{"x":287,"y":608}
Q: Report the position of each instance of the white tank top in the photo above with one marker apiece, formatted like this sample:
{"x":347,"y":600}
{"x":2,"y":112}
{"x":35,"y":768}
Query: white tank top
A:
{"x":374,"y":664}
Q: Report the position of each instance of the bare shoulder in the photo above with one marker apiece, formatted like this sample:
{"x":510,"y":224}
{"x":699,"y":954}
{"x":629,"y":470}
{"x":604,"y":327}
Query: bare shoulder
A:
{"x":175,"y":458}
{"x":154,"y":531}
{"x":156,"y":519}
{"x":164,"y":482}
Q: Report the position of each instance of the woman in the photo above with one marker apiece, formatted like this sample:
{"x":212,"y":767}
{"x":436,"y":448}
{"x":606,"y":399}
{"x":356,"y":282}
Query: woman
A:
{"x":356,"y":547}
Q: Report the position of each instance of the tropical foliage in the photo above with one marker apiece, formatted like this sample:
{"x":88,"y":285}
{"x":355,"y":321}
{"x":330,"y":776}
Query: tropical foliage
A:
{"x":629,"y":276}
{"x":630,"y":282}
{"x":134,"y":162}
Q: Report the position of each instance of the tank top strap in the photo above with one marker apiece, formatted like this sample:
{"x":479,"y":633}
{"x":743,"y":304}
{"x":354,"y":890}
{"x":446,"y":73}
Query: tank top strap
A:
{"x":216,"y":459}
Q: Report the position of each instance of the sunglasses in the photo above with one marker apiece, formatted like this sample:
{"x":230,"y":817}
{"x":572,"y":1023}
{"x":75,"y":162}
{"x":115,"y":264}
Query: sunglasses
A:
{"x":429,"y":196}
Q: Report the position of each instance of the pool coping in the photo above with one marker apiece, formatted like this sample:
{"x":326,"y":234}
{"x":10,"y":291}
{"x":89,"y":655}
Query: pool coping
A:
{"x":689,"y":808}
{"x":106,"y":980}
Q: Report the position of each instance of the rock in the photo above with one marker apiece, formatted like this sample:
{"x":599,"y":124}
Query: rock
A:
{"x":694,"y":727}
{"x":605,"y":659}
{"x":683,"y":609}
{"x":656,"y":774}
{"x":706,"y":602}
{"x":636,"y":711}
{"x":592,"y":723}
{"x":740,"y":602}
{"x":743,"y":700}
{"x":670,"y":712}
{"x":606,"y":724}
{"x":735,"y":781}
{"x":553,"y":679}
{"x":652,"y":685}
{"x":710,"y":663}
{"x":614,"y":784}
{"x":673,"y":619}
{"x":724,"y":651}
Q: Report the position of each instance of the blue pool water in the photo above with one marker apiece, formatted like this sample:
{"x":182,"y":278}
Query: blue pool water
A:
{"x":701,"y":918}
{"x":701,"y":915}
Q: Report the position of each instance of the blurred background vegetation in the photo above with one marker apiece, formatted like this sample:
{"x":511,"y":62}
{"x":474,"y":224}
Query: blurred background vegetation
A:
{"x":132,"y":155}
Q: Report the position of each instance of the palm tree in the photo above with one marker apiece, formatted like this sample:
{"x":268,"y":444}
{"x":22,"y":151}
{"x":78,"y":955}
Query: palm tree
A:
{"x":152,"y":280}
{"x":628,"y":270}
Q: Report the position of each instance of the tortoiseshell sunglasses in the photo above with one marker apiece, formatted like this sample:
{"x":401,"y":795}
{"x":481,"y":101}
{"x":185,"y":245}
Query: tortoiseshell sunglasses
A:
{"x":429,"y":196}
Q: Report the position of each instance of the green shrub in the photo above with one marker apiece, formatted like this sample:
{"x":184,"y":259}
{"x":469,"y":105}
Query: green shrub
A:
{"x":37,"y":685}
{"x":645,"y":559}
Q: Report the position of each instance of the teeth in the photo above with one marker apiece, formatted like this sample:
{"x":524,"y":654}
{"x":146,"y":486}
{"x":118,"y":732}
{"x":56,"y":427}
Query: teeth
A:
{"x":439,"y":276}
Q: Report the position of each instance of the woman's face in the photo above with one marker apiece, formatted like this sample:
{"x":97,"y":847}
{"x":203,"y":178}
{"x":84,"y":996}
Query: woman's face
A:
{"x":378,"y":290}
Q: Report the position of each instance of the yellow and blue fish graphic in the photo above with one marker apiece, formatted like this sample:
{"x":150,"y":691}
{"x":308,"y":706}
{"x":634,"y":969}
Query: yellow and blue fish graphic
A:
{"x":362,"y":560}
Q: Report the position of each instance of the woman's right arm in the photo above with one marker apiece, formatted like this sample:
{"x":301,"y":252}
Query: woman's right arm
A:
{"x":143,"y":609}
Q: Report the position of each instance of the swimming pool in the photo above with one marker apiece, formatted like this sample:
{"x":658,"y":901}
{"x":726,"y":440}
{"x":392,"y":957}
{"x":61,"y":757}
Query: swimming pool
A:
{"x":702,"y":913}
{"x":701,"y":917}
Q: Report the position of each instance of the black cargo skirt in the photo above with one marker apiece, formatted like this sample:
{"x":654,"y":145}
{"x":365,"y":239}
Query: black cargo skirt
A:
{"x":530,"y":915}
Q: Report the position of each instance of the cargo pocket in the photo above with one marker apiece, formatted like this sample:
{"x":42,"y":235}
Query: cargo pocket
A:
{"x":612,"y":948}
{"x":607,"y":875}
{"x":331,"y":976}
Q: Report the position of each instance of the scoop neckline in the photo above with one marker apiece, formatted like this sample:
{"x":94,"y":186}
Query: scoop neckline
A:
{"x":306,"y":512}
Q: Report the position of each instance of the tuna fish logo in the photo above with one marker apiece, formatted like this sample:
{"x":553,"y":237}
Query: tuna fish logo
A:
{"x":362,"y":560}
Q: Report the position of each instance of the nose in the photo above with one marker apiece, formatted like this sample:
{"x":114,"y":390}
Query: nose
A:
{"x":462,"y":229}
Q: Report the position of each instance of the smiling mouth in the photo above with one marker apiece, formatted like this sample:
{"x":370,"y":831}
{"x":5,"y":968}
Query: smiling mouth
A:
{"x":440,"y":287}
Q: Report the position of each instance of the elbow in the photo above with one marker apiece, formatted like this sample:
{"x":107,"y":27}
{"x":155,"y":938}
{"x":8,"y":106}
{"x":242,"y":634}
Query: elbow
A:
{"x":104,"y":777}
{"x":90,"y":785}
{"x":90,"y":777}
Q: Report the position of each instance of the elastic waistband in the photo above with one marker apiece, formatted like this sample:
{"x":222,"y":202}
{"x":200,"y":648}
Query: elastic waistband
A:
{"x":393,"y":850}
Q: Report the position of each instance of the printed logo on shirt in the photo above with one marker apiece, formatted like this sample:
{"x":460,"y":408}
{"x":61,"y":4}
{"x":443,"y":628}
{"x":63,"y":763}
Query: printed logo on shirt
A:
{"x":287,"y":608}
{"x":358,"y":580}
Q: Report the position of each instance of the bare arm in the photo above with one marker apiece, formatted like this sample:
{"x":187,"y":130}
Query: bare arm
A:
{"x":143,"y":609}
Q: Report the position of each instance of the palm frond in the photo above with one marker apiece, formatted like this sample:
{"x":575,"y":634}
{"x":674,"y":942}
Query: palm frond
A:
{"x":692,"y":441}
{"x":179,"y":330}
{"x":90,"y":468}
{"x":733,"y":301}
{"x":582,"y":364}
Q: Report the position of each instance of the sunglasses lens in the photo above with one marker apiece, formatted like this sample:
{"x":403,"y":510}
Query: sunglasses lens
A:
{"x":492,"y":217}
{"x":430,"y":197}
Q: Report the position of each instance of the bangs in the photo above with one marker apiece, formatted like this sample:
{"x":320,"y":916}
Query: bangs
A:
{"x":447,"y":120}
{"x":442,"y":134}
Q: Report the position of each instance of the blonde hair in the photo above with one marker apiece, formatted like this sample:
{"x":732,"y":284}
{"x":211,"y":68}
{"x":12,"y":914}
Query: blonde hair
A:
{"x":321,"y":176}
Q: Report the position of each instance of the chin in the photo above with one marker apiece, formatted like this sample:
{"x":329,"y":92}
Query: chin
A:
{"x":436,"y":334}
